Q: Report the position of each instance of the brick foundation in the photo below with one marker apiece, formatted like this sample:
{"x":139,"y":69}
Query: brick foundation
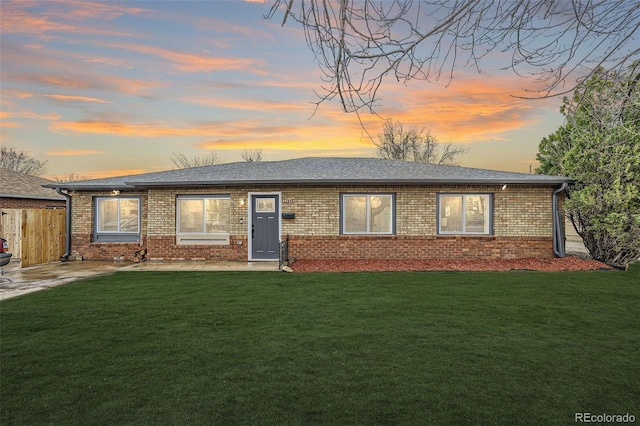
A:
{"x":165,"y":248}
{"x":159,"y":248}
{"x":323,"y":247}
{"x":429,"y":247}
{"x":81,"y":245}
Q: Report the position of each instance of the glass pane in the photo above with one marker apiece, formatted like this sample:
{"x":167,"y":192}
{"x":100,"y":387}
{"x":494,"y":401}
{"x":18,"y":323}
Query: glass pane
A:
{"x":355,"y":214}
{"x":476,"y":214}
{"x":265,"y":205}
{"x":129,"y":215}
{"x":108,"y":215}
{"x":191,"y":217}
{"x":380,"y":213}
{"x":217,"y":211}
{"x":451,"y":213}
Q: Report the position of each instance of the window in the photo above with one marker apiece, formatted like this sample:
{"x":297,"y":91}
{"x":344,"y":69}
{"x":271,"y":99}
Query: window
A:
{"x":368,"y":214}
{"x":203,"y":219}
{"x":464,"y":214}
{"x":117,"y":219}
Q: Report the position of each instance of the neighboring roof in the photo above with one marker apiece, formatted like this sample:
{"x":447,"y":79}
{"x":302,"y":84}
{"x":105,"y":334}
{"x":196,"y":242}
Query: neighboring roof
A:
{"x":21,"y":185}
{"x":315,"y":170}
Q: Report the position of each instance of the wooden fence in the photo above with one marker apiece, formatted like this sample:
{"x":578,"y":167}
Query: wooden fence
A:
{"x":35,"y":235}
{"x":10,"y":230}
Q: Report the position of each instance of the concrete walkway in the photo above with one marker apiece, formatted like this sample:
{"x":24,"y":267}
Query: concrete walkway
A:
{"x":17,"y":281}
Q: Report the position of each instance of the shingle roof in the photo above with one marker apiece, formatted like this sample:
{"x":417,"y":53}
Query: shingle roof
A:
{"x":21,"y":185}
{"x":316,"y":170}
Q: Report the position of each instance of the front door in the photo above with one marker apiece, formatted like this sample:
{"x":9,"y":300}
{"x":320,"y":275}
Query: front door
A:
{"x":265,"y":227}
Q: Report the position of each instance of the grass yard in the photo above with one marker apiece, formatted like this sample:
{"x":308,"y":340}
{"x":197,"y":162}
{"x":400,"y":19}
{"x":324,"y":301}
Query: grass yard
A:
{"x":354,"y":348}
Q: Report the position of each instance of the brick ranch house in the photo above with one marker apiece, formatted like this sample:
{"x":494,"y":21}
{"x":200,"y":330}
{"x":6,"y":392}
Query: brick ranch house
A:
{"x":327,"y":208}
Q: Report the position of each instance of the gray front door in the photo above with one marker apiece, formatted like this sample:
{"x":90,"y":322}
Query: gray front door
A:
{"x":265,"y":227}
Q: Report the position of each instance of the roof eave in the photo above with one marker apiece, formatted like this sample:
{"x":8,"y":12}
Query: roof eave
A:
{"x":32,"y":197}
{"x":72,"y":187}
{"x":141,"y":185}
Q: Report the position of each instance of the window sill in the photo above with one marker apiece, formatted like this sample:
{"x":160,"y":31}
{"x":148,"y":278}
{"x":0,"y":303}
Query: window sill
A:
{"x":369,"y":235}
{"x":465,"y":236}
{"x":97,"y":243}
{"x":116,"y":238}
{"x":203,"y":240}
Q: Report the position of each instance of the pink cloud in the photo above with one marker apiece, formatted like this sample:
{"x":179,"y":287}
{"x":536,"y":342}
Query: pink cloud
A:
{"x":189,"y":62}
{"x":29,"y":115}
{"x":19,"y":94}
{"x":10,"y":125}
{"x":80,"y":10}
{"x":471,"y":109}
{"x":251,"y":104}
{"x":17,"y":17}
{"x":16,"y":20}
{"x":68,"y":98}
{"x":94,"y":81}
{"x":74,"y":152}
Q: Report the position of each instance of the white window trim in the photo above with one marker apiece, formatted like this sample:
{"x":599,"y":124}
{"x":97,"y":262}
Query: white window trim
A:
{"x":464,"y":219}
{"x":343,"y":215}
{"x":201,"y":238}
{"x":98,"y":199}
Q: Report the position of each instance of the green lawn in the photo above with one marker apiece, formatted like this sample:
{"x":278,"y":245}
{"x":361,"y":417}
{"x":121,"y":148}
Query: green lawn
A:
{"x":361,"y":348}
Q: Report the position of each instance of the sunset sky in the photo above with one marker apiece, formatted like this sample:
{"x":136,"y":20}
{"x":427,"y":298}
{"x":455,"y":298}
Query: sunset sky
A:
{"x":111,"y":88}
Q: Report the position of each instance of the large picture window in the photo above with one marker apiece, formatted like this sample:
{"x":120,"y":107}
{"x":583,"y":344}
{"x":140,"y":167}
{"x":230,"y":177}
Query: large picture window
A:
{"x":368,"y":214}
{"x":464,"y":214}
{"x":203,"y":219}
{"x":117,"y":219}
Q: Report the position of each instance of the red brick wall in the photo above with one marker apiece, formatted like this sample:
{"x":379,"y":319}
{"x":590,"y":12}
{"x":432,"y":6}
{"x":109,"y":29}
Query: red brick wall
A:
{"x":427,"y":247}
{"x":82,"y":246}
{"x":28,"y":203}
{"x":159,"y":248}
{"x":165,"y":248}
{"x":337,"y":247}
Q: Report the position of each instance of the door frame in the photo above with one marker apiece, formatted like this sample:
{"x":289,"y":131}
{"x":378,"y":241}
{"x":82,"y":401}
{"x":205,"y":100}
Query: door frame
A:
{"x":250,"y":196}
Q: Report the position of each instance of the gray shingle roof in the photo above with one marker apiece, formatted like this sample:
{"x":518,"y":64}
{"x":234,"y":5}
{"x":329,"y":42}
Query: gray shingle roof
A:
{"x":316,"y":170}
{"x":21,"y":185}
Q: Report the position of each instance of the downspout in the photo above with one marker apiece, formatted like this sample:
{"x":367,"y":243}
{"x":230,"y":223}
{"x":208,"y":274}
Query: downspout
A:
{"x":67,"y":221}
{"x":558,"y":224}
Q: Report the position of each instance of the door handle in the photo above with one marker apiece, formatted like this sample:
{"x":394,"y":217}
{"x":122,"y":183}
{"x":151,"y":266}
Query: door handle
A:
{"x":253,"y":231}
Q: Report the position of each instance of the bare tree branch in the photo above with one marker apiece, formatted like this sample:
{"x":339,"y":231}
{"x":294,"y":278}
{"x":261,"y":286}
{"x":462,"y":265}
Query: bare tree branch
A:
{"x":70,"y":177}
{"x":20,"y":161}
{"x":450,"y":152}
{"x":252,"y":155}
{"x":360,"y":43}
{"x":396,"y":143}
{"x":181,"y":161}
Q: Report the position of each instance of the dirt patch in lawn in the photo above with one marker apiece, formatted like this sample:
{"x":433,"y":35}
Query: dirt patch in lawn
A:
{"x":569,"y":263}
